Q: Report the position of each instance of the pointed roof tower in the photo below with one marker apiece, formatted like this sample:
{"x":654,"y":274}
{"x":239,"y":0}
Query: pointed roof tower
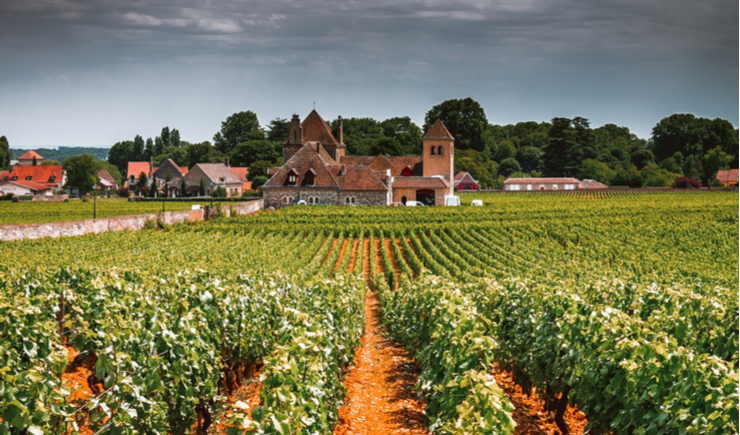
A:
{"x":438,"y":131}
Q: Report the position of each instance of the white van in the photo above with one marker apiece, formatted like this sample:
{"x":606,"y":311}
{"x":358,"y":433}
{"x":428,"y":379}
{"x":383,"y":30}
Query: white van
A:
{"x":452,"y":200}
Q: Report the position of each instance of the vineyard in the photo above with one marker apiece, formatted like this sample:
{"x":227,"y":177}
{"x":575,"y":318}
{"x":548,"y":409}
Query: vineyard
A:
{"x":624,"y":306}
{"x":44,"y":212}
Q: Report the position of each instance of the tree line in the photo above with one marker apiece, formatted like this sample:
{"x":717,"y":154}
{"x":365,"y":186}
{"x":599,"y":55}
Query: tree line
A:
{"x":680,"y":145}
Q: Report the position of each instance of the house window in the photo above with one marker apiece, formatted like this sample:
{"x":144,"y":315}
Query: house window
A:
{"x":308,"y":179}
{"x":15,"y":178}
{"x":28,"y":178}
{"x":433,"y":150}
{"x":350,"y":200}
{"x":313,"y":200}
{"x":406,"y":172}
{"x":529,"y":187}
{"x":287,"y":200}
{"x":439,"y":150}
{"x":52,"y":178}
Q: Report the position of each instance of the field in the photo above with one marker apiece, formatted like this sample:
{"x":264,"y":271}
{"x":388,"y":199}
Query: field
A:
{"x":625,"y":306}
{"x":44,"y":212}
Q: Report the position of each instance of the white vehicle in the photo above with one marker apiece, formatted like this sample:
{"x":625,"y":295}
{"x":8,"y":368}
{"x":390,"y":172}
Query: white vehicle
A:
{"x":414,"y":204}
{"x":301,"y":202}
{"x":452,"y":200}
{"x":476,"y":202}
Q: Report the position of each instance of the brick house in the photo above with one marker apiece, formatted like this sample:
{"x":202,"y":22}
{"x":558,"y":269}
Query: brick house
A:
{"x":30,"y":158}
{"x":205,"y":178}
{"x":728,"y":177}
{"x":317,"y":170}
{"x":465,"y":182}
{"x":168,"y":175}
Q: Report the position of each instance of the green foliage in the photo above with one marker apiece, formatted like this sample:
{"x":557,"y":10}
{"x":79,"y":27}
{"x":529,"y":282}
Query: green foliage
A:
{"x":654,"y":176}
{"x":595,"y":170}
{"x":81,"y":173}
{"x":480,"y":168}
{"x":509,"y":166}
{"x":570,"y":141}
{"x":259,"y":169}
{"x":5,"y":153}
{"x":203,"y":152}
{"x":246,"y":153}
{"x":219,"y":192}
{"x":464,"y":118}
{"x":259,"y":181}
{"x":714,"y":161}
{"x":278,"y":130}
{"x":238,"y":127}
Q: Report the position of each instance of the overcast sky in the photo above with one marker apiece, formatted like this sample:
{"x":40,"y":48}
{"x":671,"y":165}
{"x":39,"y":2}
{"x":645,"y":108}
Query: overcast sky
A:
{"x":94,"y":72}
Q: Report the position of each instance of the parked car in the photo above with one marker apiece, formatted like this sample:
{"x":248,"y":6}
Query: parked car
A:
{"x":396,"y":204}
{"x":414,"y":204}
{"x":476,"y":202}
{"x":301,"y":202}
{"x":452,"y":200}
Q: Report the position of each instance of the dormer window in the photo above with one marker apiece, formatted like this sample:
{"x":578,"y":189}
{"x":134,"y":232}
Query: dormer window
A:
{"x":15,"y":178}
{"x":406,"y":172}
{"x":433,"y":151}
{"x":308,"y":179}
{"x":52,"y":178}
{"x":28,"y":178}
{"x":292,"y":178}
{"x":439,"y":150}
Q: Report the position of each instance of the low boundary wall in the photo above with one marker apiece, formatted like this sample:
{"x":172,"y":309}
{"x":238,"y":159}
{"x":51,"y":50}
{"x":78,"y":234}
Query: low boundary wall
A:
{"x":120,"y":223}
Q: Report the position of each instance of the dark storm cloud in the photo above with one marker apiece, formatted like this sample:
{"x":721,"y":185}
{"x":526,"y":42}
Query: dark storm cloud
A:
{"x":551,"y":50}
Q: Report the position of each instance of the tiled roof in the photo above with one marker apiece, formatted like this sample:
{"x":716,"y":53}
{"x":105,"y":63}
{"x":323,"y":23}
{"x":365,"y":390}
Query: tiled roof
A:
{"x":30,"y":184}
{"x":420,"y":183}
{"x":241,"y":173}
{"x":106,"y":179}
{"x":380,"y":163}
{"x":29,"y":155}
{"x":316,"y":129}
{"x":416,"y":163}
{"x":38,"y":174}
{"x":459,"y":176}
{"x":356,"y":160}
{"x":359,"y":178}
{"x":218,"y":172}
{"x":4,"y":175}
{"x":136,"y":168}
{"x":272,"y":171}
{"x":540,"y":180}
{"x":438,"y":131}
{"x":591,"y":184}
{"x":328,"y":159}
{"x":304,"y":159}
{"x":169,"y":167}
{"x":728,"y":176}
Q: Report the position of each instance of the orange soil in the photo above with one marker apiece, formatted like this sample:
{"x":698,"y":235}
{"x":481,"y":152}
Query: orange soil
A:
{"x":353,"y":258}
{"x":341,"y":256}
{"x":328,"y":253}
{"x":81,"y":393}
{"x":396,"y":271}
{"x":248,"y":393}
{"x":530,"y":414}
{"x":378,"y":258}
{"x":380,"y":385}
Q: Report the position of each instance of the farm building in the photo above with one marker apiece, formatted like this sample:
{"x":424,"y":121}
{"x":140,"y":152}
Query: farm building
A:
{"x":536,"y":184}
{"x":107,"y":182}
{"x":591,"y":184}
{"x":205,"y":178}
{"x":30,"y":158}
{"x":728,"y":177}
{"x":51,"y":176}
{"x":465,"y":182}
{"x":317,"y":170}
{"x":167,"y":173}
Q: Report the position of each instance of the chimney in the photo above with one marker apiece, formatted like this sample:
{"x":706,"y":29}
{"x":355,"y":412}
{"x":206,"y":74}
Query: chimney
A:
{"x":296,"y":131}
{"x":151,"y":165}
{"x":340,"y":130}
{"x":342,"y":171}
{"x":227,"y":162}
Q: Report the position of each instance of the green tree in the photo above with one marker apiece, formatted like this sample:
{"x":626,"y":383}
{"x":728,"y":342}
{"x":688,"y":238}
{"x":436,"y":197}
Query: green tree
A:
{"x":405,"y":132}
{"x":464,"y":118}
{"x":715,"y":160}
{"x":259,"y":169}
{"x":258,"y":182}
{"x":5,"y":153}
{"x":148,"y":150}
{"x":278,"y":130}
{"x":153,"y":188}
{"x":203,"y":152}
{"x":482,"y":169}
{"x":642,"y":157}
{"x":386,"y":145}
{"x":54,"y":163}
{"x":236,"y":128}
{"x":219,"y":192}
{"x":120,"y":154}
{"x":111,"y":168}
{"x":137,"y":151}
{"x":141,"y":182}
{"x":359,"y":133}
{"x":627,"y":177}
{"x":81,"y":173}
{"x":655,"y":176}
{"x":251,"y":151}
{"x":593,"y":169}
{"x":505,"y":149}
{"x":175,"y":138}
{"x":530,"y":157}
{"x":178,"y":155}
{"x":508,"y":166}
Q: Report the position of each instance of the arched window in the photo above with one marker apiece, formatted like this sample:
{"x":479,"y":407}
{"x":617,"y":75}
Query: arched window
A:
{"x":433,"y":150}
{"x":308,"y":179}
{"x":439,"y":150}
{"x":349,"y":200}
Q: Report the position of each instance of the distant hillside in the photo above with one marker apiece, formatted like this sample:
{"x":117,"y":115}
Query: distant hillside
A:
{"x":62,"y":152}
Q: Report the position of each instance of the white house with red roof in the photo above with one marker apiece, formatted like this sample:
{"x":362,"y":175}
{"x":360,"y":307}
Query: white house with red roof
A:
{"x":25,"y":178}
{"x":540,"y":184}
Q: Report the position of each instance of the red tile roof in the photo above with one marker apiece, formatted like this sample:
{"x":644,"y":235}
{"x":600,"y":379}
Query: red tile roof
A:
{"x":459,"y":176}
{"x":241,"y":173}
{"x":38,"y":174}
{"x":29,"y":155}
{"x":31,"y":185}
{"x":359,"y":178}
{"x":356,"y":160}
{"x":540,"y":180}
{"x":136,"y":168}
{"x":4,"y":175}
{"x":106,"y":179}
{"x":416,"y":163}
{"x":438,"y":131}
{"x":591,"y":184}
{"x":420,"y":183}
{"x":304,"y":159}
{"x":728,"y":176}
{"x":218,"y":172}
{"x":316,"y":129}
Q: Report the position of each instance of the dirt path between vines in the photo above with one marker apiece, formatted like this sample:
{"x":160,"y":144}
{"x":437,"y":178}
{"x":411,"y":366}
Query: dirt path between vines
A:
{"x":341,"y":256}
{"x":353,"y":258}
{"x":380,"y":382}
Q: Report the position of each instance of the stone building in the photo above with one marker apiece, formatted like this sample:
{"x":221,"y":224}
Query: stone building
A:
{"x":316,"y":169}
{"x":204,"y":178}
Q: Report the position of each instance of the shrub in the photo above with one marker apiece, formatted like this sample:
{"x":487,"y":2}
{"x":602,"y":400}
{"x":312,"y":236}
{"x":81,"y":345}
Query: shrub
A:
{"x":219,"y":192}
{"x":123,"y":192}
{"x":686,"y":183}
{"x":150,"y":224}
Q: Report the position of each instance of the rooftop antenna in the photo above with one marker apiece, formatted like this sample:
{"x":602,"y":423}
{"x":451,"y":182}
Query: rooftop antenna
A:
{"x":314,"y":105}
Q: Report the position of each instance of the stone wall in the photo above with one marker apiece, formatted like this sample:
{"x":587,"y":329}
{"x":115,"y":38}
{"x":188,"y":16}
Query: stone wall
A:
{"x":275,"y":196}
{"x":121,"y":223}
{"x":364,"y":197}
